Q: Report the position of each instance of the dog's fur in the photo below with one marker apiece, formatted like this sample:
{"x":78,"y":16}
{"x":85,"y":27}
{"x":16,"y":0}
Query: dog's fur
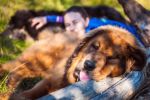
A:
{"x":41,"y":58}
{"x":113,"y":50}
{"x":20,"y":27}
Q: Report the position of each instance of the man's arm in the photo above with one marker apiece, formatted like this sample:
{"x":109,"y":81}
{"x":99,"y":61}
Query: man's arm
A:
{"x":39,"y":22}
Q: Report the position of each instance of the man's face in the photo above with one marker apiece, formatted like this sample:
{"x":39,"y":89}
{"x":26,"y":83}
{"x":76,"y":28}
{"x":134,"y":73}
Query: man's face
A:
{"x":75,"y":24}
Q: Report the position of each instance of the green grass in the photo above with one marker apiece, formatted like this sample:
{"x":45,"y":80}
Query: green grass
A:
{"x":3,"y":87}
{"x":10,"y":49}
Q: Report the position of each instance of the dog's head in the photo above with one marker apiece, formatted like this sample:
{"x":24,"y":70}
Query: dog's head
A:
{"x":19,"y":26}
{"x":106,"y":51}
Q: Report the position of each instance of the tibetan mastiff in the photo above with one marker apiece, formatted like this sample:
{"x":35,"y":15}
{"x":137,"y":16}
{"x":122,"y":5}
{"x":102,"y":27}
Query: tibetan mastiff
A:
{"x":40,"y":58}
{"x":107,"y":51}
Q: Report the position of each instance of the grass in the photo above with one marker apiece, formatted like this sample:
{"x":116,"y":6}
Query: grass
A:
{"x":10,"y":49}
{"x":3,"y":87}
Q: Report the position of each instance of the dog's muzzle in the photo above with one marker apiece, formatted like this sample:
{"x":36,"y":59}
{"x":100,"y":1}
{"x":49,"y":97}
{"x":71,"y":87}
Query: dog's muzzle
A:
{"x":89,"y":65}
{"x":83,"y":73}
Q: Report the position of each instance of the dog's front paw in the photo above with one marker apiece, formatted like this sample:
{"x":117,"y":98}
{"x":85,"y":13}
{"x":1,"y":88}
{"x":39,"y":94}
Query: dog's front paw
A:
{"x":98,"y":76}
{"x":18,"y":97}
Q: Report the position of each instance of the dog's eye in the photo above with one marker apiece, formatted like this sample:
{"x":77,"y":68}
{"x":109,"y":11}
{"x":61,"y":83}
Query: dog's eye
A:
{"x":96,"y":45}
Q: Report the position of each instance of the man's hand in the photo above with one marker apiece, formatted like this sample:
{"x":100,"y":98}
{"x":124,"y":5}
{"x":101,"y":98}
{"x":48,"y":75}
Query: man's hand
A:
{"x":38,"y":22}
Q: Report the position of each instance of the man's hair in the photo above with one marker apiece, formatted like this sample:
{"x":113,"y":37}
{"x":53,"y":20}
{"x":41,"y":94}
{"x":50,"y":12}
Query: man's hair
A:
{"x":79,"y":10}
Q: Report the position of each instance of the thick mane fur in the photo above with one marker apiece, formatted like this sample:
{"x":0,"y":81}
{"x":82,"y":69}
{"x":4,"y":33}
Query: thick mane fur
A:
{"x":127,"y":37}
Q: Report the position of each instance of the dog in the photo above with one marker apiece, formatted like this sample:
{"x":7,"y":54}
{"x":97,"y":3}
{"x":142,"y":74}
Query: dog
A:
{"x":107,"y":51}
{"x":19,"y":26}
{"x":40,"y":58}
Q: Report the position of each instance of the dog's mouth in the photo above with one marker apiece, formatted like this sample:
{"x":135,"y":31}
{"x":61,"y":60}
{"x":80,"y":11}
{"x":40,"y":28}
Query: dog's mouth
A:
{"x":82,"y":75}
{"x":83,"y":71}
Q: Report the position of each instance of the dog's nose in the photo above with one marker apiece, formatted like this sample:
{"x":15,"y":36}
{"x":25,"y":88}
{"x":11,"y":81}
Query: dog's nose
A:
{"x":89,"y":65}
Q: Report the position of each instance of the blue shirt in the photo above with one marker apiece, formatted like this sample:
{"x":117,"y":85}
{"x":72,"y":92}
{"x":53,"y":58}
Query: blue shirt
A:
{"x":54,"y":19}
{"x":96,"y":22}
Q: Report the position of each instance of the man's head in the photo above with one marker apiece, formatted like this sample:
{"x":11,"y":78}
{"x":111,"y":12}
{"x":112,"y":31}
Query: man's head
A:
{"x":76,"y":20}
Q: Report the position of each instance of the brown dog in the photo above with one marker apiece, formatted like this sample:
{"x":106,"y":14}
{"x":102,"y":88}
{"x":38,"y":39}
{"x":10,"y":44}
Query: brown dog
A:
{"x":107,"y":51}
{"x":40,"y":58}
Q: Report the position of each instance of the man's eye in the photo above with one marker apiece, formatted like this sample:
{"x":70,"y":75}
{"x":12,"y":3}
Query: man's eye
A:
{"x":75,"y":22}
{"x":67,"y":25}
{"x":96,"y":45}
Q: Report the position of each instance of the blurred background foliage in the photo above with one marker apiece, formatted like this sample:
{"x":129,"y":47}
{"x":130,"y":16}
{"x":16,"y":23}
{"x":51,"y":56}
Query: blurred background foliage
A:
{"x":9,"y":7}
{"x":9,"y":49}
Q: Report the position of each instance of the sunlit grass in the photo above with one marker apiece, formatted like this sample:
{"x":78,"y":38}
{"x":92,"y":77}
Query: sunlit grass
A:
{"x":10,"y":49}
{"x":3,"y":87}
{"x":145,"y":3}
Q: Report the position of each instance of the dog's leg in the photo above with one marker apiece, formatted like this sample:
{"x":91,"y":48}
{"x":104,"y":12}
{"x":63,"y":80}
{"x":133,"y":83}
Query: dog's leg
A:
{"x":38,"y":90}
{"x":140,"y":17}
{"x":15,"y":71}
{"x":99,"y":74}
{"x":49,"y":84}
{"x":113,"y":68}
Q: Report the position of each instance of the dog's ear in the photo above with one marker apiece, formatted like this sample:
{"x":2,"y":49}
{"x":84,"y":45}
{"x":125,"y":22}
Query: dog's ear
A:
{"x":71,"y":66}
{"x":137,"y":56}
